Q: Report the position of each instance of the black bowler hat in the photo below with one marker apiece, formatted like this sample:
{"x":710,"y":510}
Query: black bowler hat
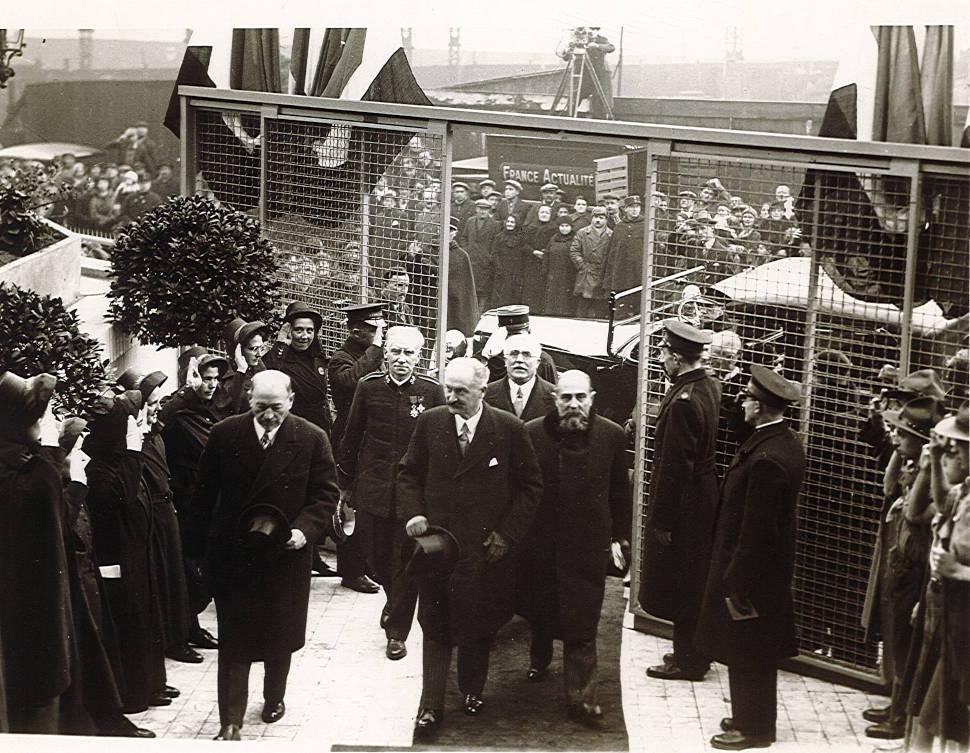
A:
{"x":264,"y":531}
{"x":916,"y":417}
{"x":146,"y":384}
{"x":685,"y":338}
{"x":211,"y":359}
{"x":23,"y":401}
{"x":514,"y":318}
{"x":435,"y":553}
{"x":772,"y":388}
{"x":365,"y":313}
{"x":301,"y":310}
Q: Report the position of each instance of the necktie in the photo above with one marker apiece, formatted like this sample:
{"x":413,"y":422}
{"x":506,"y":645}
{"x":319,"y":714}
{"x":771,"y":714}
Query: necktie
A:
{"x":463,"y":438}
{"x":265,"y":441}
{"x":519,"y":403}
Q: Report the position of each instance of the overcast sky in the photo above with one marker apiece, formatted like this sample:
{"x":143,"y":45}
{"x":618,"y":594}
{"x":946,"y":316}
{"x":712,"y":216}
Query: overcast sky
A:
{"x":670,"y":29}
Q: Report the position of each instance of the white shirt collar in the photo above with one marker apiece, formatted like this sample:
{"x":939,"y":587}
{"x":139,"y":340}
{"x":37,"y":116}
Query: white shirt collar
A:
{"x":471,"y":423}
{"x":526,"y":389}
{"x":260,"y":430}
{"x":770,"y":423}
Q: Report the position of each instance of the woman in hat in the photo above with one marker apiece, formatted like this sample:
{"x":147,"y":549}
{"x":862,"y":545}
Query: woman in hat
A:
{"x":36,"y":630}
{"x":535,"y":266}
{"x":940,"y":697}
{"x":247,"y":342}
{"x":302,"y":360}
{"x":560,"y":274}
{"x":509,"y":250}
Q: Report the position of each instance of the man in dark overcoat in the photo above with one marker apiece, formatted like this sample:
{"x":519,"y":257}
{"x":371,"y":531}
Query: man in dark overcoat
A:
{"x":747,"y":619}
{"x":624,"y":264}
{"x":360,"y":354}
{"x":476,"y":237}
{"x":471,"y":470}
{"x":683,"y":498}
{"x":521,"y":391}
{"x":385,"y":409}
{"x":562,"y":562}
{"x":267,"y":457}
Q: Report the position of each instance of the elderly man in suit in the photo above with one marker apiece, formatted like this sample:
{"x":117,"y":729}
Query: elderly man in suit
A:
{"x":747,"y":619}
{"x":281,"y":463}
{"x":521,"y":391}
{"x":585,"y":510}
{"x":471,"y":470}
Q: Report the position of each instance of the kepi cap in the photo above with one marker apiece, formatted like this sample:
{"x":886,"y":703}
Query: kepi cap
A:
{"x":772,"y":388}
{"x":685,"y":338}
{"x":365,"y":313}
{"x":513,"y":318}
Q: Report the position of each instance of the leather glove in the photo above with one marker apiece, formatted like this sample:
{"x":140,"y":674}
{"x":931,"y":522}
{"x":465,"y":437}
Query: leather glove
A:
{"x":495,"y":547}
{"x":78,"y":463}
{"x":49,"y":434}
{"x":133,"y":435}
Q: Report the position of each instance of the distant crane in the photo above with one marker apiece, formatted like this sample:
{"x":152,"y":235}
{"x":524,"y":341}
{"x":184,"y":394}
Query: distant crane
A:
{"x":407,"y":42}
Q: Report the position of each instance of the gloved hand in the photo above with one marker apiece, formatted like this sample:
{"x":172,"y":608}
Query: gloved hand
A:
{"x":133,"y":435}
{"x":49,"y":434}
{"x":417,"y":526}
{"x":297,"y":539}
{"x":192,"y":377}
{"x":239,"y":360}
{"x":79,"y":460}
{"x":495,"y":547}
{"x":379,"y":336}
{"x":493,"y":346}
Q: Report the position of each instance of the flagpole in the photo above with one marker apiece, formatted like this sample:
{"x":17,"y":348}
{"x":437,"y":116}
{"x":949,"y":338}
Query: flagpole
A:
{"x":619,"y":68}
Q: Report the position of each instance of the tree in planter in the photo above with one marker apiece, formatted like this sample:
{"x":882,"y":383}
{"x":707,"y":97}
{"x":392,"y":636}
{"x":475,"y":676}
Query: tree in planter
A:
{"x":40,"y":335}
{"x":185,"y":269}
{"x":28,"y":192}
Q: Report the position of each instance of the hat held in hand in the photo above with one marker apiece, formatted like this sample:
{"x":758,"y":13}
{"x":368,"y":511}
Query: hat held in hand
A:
{"x":436,"y":552}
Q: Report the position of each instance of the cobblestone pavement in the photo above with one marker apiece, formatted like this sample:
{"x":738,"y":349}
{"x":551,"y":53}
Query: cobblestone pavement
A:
{"x":343,"y":691}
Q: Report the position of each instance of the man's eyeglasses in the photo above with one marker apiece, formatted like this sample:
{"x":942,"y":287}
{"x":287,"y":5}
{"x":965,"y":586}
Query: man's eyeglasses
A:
{"x":525,"y":355}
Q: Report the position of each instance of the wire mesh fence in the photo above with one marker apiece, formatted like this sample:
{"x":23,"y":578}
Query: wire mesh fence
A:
{"x":354,"y":212}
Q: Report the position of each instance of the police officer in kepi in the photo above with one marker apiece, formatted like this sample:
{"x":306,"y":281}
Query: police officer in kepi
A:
{"x":683,"y":498}
{"x":511,"y":321}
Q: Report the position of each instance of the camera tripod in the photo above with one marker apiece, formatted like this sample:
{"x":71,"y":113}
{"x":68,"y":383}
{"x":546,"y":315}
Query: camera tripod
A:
{"x":572,"y":79}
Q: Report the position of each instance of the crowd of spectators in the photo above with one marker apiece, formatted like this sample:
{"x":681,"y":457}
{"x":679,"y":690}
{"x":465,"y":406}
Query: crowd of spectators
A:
{"x":101,"y":194}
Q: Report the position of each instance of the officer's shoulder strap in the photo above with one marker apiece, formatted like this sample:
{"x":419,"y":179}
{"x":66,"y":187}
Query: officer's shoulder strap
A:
{"x":685,"y":392}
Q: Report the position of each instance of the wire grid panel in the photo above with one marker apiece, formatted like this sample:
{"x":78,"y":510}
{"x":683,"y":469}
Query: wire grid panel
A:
{"x":942,"y":281}
{"x":354,"y":213}
{"x":227,"y":144}
{"x":803,"y":271}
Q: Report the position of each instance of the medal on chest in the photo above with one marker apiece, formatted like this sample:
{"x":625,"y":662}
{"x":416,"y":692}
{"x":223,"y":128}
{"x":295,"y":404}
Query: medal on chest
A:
{"x":417,"y":405}
{"x":321,"y":371}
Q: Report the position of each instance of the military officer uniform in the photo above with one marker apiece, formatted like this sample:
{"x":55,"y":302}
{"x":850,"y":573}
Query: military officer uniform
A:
{"x":683,"y":500}
{"x":747,"y":618}
{"x":378,"y":430}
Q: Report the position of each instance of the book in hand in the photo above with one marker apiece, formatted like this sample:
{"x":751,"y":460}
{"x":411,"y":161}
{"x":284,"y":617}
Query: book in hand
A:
{"x":740,"y":609}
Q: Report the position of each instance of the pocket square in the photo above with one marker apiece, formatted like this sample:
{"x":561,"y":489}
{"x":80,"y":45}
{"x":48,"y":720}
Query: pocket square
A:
{"x":493,"y":461}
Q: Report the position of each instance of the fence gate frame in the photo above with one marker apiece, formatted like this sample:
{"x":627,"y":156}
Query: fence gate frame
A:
{"x":913,"y":162}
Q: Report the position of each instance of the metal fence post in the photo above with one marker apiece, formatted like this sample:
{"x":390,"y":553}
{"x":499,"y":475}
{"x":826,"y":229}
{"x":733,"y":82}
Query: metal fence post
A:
{"x":911,"y":170}
{"x":447,"y":145}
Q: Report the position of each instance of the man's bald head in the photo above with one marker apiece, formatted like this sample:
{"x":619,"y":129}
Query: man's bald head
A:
{"x":272,"y":398}
{"x":725,"y":349}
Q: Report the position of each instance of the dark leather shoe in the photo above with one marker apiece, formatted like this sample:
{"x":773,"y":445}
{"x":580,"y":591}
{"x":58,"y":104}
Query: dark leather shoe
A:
{"x":118,"y":725}
{"x":229,"y":732}
{"x":273,"y":712}
{"x":202,"y":638}
{"x":184,"y":654}
{"x":322,"y":570}
{"x":727,"y":725}
{"x":396,"y":649}
{"x":877,"y":715}
{"x":473,"y":704}
{"x":735,"y":740}
{"x":886,"y":730}
{"x":159,"y":700}
{"x":536,"y":674}
{"x":169,"y":692}
{"x":428,"y":723}
{"x":361,"y":584}
{"x":385,"y":617}
{"x":673,"y":671}
{"x":590,"y":716}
